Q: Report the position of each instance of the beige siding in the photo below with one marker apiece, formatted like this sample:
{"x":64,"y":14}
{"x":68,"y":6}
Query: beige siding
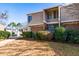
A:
{"x":37,"y":18}
{"x":70,"y":12}
{"x":36,"y":28}
{"x":72,"y":25}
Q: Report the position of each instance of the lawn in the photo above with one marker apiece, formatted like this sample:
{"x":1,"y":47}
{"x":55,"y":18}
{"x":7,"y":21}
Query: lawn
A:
{"x":38,"y":48}
{"x":64,"y":49}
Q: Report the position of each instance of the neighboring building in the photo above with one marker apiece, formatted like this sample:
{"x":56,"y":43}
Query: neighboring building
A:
{"x":48,"y":19}
{"x":17,"y":32}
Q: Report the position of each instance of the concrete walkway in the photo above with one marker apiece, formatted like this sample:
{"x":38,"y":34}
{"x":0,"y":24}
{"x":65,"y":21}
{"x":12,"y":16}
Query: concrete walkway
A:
{"x":6,"y":41}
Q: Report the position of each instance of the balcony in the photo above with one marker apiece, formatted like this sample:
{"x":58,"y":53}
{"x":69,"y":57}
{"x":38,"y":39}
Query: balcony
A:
{"x":52,"y":20}
{"x":51,"y":15}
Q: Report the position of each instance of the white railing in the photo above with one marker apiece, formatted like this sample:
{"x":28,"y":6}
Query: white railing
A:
{"x":52,"y":20}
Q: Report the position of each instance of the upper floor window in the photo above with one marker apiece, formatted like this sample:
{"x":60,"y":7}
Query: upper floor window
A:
{"x":52,"y":15}
{"x":55,"y":14}
{"x":29,"y":18}
{"x":49,"y":16}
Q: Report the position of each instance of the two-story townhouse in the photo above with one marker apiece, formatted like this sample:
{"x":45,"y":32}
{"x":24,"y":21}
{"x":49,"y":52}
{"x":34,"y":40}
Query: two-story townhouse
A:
{"x":48,"y":19}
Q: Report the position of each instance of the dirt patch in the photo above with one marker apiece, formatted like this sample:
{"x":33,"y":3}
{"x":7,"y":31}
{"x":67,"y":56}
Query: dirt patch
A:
{"x":27,"y":48}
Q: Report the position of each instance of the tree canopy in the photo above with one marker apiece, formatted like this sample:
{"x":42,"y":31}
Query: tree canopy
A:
{"x":15,"y":25}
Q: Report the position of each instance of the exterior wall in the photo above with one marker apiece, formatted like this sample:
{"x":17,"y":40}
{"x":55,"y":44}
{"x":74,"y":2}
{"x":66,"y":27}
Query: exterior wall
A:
{"x":37,"y":18}
{"x":72,"y":25}
{"x":36,"y":28}
{"x":70,"y":12}
{"x":1,"y":27}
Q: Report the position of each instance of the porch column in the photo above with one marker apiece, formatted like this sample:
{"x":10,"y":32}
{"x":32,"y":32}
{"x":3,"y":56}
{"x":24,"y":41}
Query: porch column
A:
{"x":59,"y":16}
{"x":44,"y":19}
{"x":44,"y":16}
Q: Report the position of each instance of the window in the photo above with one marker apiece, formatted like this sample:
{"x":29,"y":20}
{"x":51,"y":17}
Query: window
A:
{"x":51,"y":27}
{"x":55,"y":14}
{"x":49,"y":16}
{"x":29,"y":18}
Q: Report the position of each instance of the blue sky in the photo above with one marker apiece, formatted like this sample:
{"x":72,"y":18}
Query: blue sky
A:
{"x":17,"y":11}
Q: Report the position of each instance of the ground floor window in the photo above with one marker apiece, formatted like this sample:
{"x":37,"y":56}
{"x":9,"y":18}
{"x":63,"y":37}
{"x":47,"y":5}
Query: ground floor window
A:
{"x":51,"y":27}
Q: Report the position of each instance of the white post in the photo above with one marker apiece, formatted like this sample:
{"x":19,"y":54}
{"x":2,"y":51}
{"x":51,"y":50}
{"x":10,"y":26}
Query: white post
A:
{"x":44,"y":16}
{"x":59,"y":15}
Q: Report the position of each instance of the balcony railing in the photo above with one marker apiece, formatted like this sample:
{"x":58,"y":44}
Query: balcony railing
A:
{"x":52,"y":20}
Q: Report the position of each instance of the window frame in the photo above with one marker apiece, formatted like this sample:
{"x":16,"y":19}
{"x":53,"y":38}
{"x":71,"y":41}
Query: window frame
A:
{"x":29,"y":18}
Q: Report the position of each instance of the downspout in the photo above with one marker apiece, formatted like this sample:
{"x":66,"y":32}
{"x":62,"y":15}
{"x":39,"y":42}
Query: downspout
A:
{"x":59,"y":16}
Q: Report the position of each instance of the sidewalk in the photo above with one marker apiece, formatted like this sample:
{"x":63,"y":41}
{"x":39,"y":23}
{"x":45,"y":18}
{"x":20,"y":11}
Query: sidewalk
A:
{"x":6,"y":41}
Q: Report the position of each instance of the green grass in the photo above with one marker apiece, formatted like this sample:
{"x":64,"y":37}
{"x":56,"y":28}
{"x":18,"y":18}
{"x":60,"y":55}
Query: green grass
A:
{"x":64,"y":49}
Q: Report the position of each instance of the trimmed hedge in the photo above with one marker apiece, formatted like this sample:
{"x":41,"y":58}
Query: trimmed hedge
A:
{"x":4,"y":34}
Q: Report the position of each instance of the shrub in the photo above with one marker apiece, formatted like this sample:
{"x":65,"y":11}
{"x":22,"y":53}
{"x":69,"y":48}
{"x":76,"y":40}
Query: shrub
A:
{"x":60,"y":34}
{"x":72,"y":36}
{"x":4,"y":34}
{"x":63,"y":35}
{"x":40,"y":35}
{"x":27,"y":34}
{"x":43,"y":35}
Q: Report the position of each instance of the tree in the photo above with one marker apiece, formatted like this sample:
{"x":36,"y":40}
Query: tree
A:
{"x":12,"y":25}
{"x":15,"y":26}
{"x":3,"y":16}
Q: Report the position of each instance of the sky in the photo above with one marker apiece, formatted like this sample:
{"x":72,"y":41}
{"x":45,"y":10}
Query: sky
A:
{"x":17,"y":12}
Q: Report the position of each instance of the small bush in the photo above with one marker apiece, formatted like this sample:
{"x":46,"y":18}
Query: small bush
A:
{"x":60,"y":34}
{"x":27,"y":34}
{"x":4,"y":34}
{"x":43,"y":35}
